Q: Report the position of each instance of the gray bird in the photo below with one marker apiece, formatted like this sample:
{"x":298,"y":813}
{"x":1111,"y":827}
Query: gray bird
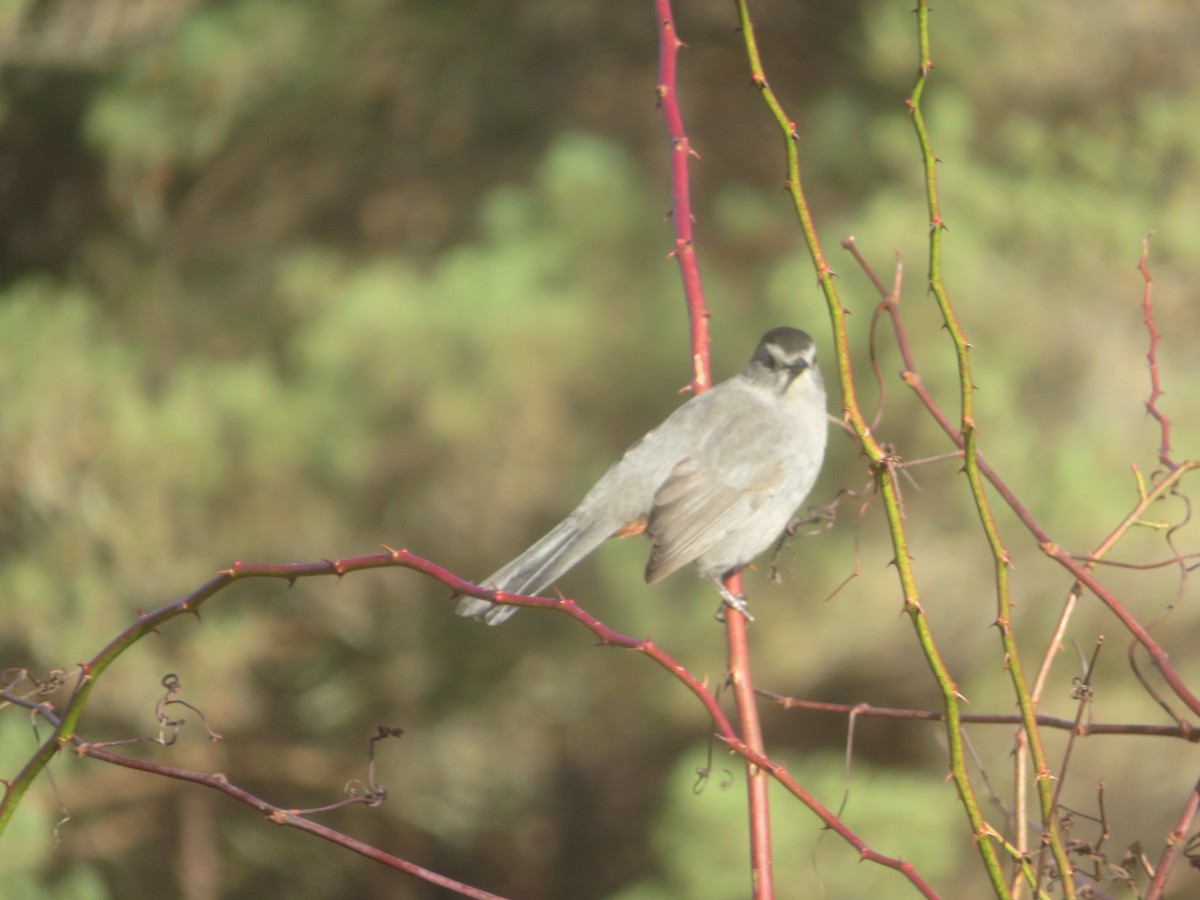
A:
{"x":714,"y":484}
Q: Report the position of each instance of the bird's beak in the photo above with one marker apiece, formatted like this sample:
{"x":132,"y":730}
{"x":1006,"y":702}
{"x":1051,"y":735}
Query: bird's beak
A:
{"x":796,"y":369}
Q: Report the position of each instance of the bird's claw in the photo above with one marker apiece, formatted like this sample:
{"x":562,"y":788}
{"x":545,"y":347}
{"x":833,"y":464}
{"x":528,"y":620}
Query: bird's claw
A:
{"x":732,"y":601}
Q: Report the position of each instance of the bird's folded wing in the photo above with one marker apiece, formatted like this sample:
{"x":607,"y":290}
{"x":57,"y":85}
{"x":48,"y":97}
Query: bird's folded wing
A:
{"x":694,"y":509}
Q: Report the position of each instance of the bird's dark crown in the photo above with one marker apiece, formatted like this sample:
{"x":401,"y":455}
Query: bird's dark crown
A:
{"x":784,"y":345}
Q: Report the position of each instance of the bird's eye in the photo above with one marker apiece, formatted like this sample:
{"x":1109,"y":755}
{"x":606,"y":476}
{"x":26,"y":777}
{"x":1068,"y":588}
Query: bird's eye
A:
{"x":770,"y":362}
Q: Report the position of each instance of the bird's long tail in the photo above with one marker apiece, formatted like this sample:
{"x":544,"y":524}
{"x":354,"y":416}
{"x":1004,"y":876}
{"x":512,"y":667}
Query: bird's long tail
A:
{"x":535,"y":569}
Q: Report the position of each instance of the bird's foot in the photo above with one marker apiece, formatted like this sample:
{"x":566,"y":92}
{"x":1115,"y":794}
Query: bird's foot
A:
{"x":730,"y":600}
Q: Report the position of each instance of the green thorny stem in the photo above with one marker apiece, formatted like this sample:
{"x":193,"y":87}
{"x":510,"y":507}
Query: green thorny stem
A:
{"x":986,"y":837}
{"x":1045,"y":778}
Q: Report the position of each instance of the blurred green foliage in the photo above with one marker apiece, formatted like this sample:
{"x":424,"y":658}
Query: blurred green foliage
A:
{"x":890,"y":808}
{"x":286,"y":280}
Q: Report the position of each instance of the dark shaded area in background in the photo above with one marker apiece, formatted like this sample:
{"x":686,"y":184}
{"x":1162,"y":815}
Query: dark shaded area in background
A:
{"x":52,"y":195}
{"x":407,"y":115}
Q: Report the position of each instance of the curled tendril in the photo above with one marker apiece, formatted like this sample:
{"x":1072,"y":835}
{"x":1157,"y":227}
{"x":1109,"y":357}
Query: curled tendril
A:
{"x":174,"y":687}
{"x":383,"y":732}
{"x":1081,"y":690}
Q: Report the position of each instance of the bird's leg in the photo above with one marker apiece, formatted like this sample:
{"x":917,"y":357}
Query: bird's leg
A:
{"x":729,"y":600}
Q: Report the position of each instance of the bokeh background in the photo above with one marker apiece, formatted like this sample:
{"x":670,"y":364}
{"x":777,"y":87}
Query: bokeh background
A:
{"x":283,"y":280}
